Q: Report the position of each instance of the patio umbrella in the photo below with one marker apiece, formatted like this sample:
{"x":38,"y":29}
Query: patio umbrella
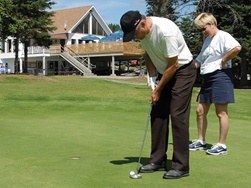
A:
{"x":90,"y":37}
{"x":113,"y":37}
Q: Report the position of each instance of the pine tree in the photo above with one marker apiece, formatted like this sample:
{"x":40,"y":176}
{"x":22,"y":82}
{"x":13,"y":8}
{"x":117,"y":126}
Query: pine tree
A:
{"x":161,"y":8}
{"x":38,"y":25}
{"x":30,"y":21}
{"x":114,"y":27}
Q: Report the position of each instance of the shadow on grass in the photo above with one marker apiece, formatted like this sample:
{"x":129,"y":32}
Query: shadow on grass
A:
{"x":209,"y":146}
{"x":143,"y":161}
{"x":127,"y":160}
{"x":141,"y":88}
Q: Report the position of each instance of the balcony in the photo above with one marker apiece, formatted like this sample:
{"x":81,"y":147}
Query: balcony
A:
{"x":102,"y":48}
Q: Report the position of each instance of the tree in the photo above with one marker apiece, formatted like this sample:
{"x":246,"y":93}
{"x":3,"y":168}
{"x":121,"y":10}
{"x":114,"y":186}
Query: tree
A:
{"x":5,"y":17}
{"x":39,"y":25}
{"x":10,"y":24}
{"x":30,"y":21}
{"x":114,"y":27}
{"x":161,"y":8}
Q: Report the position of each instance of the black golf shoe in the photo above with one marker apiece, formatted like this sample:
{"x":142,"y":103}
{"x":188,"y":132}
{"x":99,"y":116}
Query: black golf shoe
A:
{"x":153,"y":167}
{"x":175,"y":174}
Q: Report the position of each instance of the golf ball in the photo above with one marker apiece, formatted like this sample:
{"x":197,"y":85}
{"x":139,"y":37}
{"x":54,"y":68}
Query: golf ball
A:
{"x":132,"y":173}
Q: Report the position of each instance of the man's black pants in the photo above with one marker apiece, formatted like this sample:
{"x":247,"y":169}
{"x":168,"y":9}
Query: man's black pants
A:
{"x":174,"y":103}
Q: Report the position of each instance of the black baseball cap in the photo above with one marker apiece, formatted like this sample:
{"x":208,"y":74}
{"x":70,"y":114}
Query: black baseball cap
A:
{"x":129,"y":22}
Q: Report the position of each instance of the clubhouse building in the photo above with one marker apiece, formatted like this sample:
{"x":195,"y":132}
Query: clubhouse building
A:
{"x":77,"y":47}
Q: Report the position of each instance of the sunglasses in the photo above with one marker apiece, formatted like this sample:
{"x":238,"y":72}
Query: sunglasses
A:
{"x":204,"y":28}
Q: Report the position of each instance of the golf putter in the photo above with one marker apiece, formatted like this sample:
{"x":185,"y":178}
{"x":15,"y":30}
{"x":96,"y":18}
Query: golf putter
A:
{"x":132,"y":173}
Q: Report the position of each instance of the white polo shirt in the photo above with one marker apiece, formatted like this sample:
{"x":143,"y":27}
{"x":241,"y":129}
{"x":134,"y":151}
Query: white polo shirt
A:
{"x":165,"y":40}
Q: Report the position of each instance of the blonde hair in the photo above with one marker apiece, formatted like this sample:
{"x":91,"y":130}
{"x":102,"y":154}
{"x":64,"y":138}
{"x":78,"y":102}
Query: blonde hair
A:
{"x":204,"y":19}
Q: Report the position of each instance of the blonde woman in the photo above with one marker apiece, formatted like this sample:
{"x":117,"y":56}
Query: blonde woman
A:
{"x":215,"y":65}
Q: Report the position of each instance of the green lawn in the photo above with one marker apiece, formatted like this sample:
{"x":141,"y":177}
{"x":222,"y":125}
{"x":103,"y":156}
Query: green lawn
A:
{"x":74,"y":132}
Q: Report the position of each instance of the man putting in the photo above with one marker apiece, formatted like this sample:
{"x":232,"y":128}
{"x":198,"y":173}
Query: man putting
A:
{"x":170,"y":64}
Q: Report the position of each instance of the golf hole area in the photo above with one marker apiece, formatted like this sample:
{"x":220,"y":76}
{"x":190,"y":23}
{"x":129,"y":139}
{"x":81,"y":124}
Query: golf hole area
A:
{"x":75,"y":157}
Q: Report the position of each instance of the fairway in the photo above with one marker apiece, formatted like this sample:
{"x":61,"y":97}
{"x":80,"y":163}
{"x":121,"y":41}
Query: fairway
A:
{"x":77,"y":132}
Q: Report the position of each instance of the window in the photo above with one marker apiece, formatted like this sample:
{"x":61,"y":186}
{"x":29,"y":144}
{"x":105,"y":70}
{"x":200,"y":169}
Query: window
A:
{"x":83,"y":27}
{"x":86,"y":24}
{"x":96,"y":28}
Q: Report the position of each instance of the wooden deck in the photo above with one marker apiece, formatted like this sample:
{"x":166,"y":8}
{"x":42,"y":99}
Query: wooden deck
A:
{"x":126,"y":48}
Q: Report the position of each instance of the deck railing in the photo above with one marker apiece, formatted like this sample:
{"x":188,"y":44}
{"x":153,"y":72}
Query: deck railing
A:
{"x":38,"y":50}
{"x":128,"y":48}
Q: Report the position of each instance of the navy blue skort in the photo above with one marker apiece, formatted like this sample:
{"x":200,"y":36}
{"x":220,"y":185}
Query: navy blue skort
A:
{"x":217,"y":87}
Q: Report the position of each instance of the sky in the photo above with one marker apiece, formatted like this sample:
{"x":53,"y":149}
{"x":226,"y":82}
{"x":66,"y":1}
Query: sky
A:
{"x":110,"y":10}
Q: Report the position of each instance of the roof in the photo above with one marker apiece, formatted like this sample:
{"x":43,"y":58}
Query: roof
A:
{"x":68,"y":17}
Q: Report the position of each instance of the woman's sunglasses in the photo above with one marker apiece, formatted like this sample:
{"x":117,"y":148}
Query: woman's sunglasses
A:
{"x":204,"y":28}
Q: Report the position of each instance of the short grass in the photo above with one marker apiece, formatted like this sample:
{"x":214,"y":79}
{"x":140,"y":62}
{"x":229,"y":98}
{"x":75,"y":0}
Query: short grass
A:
{"x":46,"y":123}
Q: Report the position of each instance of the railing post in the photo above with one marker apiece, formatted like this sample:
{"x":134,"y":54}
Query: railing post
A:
{"x":113,"y":71}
